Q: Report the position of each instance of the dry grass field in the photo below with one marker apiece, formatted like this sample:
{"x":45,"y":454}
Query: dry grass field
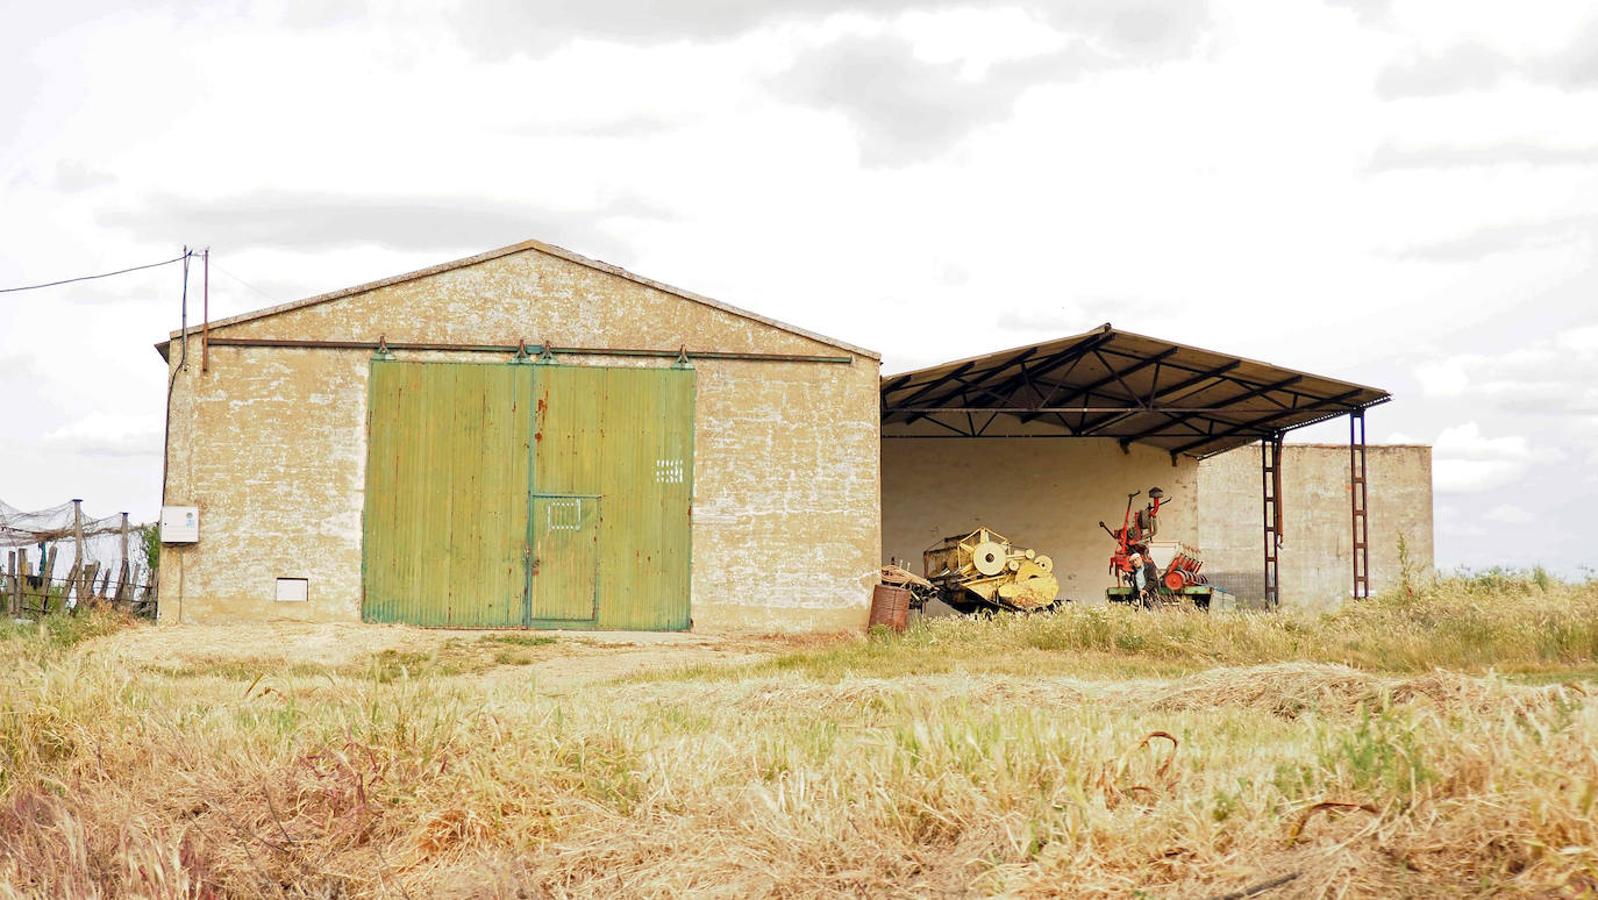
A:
{"x":1440,"y":742}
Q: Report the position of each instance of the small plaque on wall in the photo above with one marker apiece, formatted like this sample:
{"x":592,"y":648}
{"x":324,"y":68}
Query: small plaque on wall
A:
{"x":180,"y":524}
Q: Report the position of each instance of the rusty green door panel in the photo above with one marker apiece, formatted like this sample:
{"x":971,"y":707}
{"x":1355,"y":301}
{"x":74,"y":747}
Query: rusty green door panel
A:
{"x":446,"y":514}
{"x":513,"y":495}
{"x":565,"y":560}
{"x":625,"y":435}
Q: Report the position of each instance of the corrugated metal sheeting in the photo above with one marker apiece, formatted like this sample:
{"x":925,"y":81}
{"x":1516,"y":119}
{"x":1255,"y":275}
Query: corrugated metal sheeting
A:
{"x":1108,"y":383}
{"x":529,"y":495}
{"x":446,"y":494}
{"x":621,"y":439}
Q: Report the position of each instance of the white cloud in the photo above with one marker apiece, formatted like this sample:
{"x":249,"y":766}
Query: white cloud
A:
{"x":1464,"y":460}
{"x":1483,"y":63}
{"x":1457,"y":523}
{"x":1467,"y":442}
{"x":108,"y":435}
{"x":1471,"y":475}
{"x":1444,"y":377}
{"x":907,"y":109}
{"x":1582,"y":340}
{"x":1510,"y":514}
{"x":1555,"y":374}
{"x":1392,"y":157}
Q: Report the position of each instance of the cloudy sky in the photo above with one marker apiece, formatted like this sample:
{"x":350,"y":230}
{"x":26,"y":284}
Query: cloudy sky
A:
{"x":1398,"y":193}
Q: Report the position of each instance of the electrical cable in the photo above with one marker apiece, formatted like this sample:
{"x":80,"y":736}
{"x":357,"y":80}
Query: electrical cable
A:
{"x":34,"y":287}
{"x":241,"y":281}
{"x":166,"y":440}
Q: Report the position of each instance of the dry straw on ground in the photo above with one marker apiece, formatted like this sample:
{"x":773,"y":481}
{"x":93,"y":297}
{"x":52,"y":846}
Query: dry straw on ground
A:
{"x":1428,"y":744}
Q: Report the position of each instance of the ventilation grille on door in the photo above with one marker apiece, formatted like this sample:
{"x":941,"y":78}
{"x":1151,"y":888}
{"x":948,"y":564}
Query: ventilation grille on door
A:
{"x":564,"y":515}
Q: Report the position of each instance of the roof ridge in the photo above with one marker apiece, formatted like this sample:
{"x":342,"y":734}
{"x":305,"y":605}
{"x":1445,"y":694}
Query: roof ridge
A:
{"x":512,"y":249}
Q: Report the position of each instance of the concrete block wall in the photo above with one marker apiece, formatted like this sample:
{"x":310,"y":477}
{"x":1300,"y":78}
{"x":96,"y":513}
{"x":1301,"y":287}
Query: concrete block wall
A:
{"x":1316,"y":567}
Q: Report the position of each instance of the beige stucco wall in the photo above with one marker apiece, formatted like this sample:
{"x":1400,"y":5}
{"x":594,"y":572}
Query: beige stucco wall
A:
{"x":271,"y":444}
{"x":1045,"y":494}
{"x":1315,"y":565}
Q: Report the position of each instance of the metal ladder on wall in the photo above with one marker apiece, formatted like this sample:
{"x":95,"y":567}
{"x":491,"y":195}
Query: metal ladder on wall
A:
{"x":1271,"y":478}
{"x":1359,"y":498}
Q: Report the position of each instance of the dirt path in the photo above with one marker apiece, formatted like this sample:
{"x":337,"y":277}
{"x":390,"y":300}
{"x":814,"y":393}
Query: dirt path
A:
{"x":567,"y":660}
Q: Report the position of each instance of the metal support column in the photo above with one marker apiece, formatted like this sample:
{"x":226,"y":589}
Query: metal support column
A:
{"x":1359,"y":505}
{"x":1271,"y":489}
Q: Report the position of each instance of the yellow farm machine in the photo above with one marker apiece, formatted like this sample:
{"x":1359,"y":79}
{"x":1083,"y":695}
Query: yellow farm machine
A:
{"x":984,"y":570}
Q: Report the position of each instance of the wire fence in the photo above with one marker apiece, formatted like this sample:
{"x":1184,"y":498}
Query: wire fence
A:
{"x":62,"y":559}
{"x":23,"y":596}
{"x":1248,"y":587}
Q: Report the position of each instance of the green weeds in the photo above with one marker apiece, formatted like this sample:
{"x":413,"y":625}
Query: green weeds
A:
{"x":1494,"y":620}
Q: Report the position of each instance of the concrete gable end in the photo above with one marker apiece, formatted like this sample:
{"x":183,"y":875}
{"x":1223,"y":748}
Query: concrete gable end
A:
{"x":534,"y":296}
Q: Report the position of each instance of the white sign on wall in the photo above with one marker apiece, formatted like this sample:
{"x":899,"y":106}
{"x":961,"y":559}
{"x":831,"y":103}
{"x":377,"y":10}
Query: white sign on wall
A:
{"x":180,"y":524}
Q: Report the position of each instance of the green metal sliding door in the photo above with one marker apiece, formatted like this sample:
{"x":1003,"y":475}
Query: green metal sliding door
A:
{"x":624,"y":437}
{"x":446,"y":495}
{"x":528,"y":495}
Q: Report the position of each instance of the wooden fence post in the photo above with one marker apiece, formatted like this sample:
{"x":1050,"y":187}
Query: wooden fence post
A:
{"x":22,"y":569}
{"x":86,"y":586}
{"x":78,"y":562}
{"x":123,"y":592}
{"x":47,"y":569}
{"x":147,"y":586}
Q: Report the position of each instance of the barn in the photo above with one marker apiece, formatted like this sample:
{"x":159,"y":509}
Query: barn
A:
{"x":528,"y":438}
{"x":522,"y":438}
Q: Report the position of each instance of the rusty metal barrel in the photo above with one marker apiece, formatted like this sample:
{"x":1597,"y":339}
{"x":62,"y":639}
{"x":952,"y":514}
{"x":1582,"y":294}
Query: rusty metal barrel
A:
{"x":890,"y":606}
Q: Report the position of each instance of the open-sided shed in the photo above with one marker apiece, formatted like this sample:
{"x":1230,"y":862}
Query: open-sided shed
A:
{"x":1041,"y":442}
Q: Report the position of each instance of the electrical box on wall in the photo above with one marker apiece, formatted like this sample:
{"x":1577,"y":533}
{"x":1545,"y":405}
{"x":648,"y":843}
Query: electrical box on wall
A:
{"x":180,"y":524}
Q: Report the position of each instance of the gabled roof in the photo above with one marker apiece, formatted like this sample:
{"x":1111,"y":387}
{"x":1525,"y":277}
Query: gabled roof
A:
{"x":1107,"y":383}
{"x":541,"y":247}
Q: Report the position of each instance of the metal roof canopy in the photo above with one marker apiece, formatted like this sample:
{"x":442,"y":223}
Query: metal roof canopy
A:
{"x":1108,"y":383}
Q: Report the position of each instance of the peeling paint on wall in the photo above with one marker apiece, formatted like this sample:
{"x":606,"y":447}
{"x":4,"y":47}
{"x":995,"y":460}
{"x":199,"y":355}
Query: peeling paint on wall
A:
{"x":271,"y":444}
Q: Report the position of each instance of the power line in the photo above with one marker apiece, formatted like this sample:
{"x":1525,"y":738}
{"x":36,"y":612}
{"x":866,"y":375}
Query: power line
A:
{"x":34,"y":287}
{"x":252,"y":287}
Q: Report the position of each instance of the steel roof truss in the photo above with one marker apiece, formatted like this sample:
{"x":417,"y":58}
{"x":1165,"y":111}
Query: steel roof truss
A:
{"x":1271,"y":420}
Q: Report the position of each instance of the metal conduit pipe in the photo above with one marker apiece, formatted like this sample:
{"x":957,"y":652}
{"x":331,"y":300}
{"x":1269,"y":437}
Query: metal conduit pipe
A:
{"x":531,"y":348}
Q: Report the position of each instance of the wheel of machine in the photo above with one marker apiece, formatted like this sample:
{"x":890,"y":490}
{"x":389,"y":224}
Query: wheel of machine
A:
{"x":1175,"y":580}
{"x":988,"y":558}
{"x":1044,"y":563}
